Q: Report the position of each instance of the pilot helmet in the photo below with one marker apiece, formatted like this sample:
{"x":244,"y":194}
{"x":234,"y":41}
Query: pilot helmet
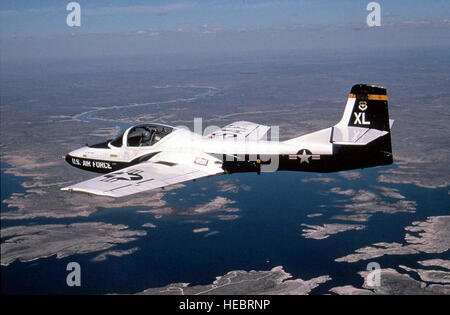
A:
{"x":146,"y":136}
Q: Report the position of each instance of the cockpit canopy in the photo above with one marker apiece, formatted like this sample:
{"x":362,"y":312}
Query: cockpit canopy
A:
{"x":142,"y":135}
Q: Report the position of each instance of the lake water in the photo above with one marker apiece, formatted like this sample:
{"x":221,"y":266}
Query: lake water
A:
{"x":267,"y":234}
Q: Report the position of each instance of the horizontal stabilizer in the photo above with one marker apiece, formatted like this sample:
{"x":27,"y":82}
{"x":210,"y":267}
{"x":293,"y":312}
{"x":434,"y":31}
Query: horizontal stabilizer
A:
{"x":242,"y":130}
{"x":355,"y":135}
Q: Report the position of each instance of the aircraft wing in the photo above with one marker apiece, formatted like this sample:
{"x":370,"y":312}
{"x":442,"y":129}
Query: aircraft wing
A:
{"x":166,"y":168}
{"x":242,"y":130}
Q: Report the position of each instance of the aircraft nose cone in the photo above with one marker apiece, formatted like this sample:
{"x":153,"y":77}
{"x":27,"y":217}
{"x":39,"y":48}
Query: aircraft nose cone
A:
{"x":72,"y":160}
{"x":68,"y":158}
{"x":78,"y":153}
{"x":74,"y":157}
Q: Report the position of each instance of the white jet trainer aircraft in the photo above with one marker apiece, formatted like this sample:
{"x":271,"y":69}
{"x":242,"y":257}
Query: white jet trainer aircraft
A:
{"x":150,"y":156}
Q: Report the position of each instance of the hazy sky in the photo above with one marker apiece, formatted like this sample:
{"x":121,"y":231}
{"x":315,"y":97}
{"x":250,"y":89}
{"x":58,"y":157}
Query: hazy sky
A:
{"x":30,"y":29}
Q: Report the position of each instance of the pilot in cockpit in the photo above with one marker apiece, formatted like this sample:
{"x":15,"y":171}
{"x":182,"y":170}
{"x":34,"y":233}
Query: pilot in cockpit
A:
{"x":147,"y":138}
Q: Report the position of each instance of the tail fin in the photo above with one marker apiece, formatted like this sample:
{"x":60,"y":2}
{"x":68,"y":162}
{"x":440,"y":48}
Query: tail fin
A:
{"x":365,"y":123}
{"x":367,"y":107}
